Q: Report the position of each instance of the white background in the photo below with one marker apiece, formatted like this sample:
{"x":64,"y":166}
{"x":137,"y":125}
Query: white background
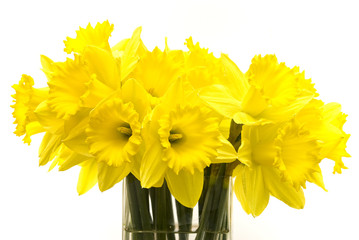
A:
{"x":319,"y":36}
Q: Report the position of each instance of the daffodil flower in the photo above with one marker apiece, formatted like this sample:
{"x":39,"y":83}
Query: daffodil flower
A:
{"x":325,"y":122}
{"x":277,"y":159}
{"x":26,"y":99}
{"x":157,"y":70}
{"x":181,"y":139}
{"x":269,"y":92}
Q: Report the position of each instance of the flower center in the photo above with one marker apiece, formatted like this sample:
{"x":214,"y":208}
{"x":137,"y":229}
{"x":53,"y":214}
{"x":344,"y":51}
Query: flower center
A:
{"x":125,"y":130}
{"x":175,"y":137}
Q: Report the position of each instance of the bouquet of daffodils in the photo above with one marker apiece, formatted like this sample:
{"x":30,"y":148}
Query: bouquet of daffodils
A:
{"x":179,"y":124}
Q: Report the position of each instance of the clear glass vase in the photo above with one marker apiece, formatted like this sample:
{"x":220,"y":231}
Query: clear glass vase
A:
{"x":154,"y":214}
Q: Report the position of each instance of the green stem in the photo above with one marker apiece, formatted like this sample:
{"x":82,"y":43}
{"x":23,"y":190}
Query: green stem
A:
{"x":222,"y":206}
{"x":207,"y":172}
{"x":136,"y":224}
{"x":143,"y":207}
{"x":170,"y":223}
{"x":205,"y":213}
{"x":184,"y":217}
{"x":214,"y":206}
{"x":163,"y":213}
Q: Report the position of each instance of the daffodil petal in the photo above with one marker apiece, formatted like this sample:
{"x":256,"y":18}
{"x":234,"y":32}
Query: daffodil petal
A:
{"x":317,"y":178}
{"x":88,"y":177}
{"x":239,"y":189}
{"x":96,"y":92}
{"x":68,"y":158}
{"x":254,"y":189}
{"x":253,"y":102}
{"x":103,"y":64}
{"x":153,"y":168}
{"x":97,"y":36}
{"x":284,"y":191}
{"x":67,"y":85}
{"x":237,"y":82}
{"x":48,"y":119}
{"x":75,"y":133}
{"x":26,"y":99}
{"x":220,"y":98}
{"x":283,"y":113}
{"x":133,"y":91}
{"x":174,"y":95}
{"x":185,"y":187}
{"x":157,"y":70}
{"x":108,"y":176}
{"x":129,"y":57}
{"x":49,"y":146}
{"x":47,"y":66}
{"x":226,"y":153}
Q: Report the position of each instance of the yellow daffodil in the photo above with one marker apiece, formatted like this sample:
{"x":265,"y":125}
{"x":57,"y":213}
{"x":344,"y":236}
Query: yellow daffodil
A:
{"x":269,"y":92}
{"x":26,"y":99}
{"x":157,"y":70}
{"x":325,"y":122}
{"x":93,"y":74}
{"x":181,"y":139}
{"x":277,"y":159}
{"x":77,"y":86}
{"x":110,"y":134}
{"x":202,"y":68}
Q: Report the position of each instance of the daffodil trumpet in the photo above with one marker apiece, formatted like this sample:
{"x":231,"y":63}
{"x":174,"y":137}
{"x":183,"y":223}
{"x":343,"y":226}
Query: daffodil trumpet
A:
{"x":178,"y":126}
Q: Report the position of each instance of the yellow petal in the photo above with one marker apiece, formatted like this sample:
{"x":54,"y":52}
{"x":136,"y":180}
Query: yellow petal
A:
{"x":277,"y":82}
{"x":239,"y":189}
{"x":174,"y":95}
{"x":283,"y":113}
{"x":75,"y":133}
{"x":224,"y":127}
{"x":26,"y":99}
{"x":133,"y":91}
{"x":48,"y":119}
{"x":108,"y":176}
{"x":226,"y":153}
{"x":96,"y":92}
{"x":305,"y":83}
{"x":202,"y":68}
{"x":87,"y":177}
{"x":130,"y":58}
{"x":317,"y":178}
{"x":97,"y":36}
{"x":157,"y":71}
{"x":253,"y":102}
{"x":32,"y":128}
{"x":237,"y":82}
{"x":119,"y":49}
{"x":120,"y":46}
{"x":254,"y":193}
{"x":284,"y":191}
{"x":68,"y":158}
{"x":185,"y":187}
{"x":49,"y":147}
{"x":153,"y":168}
{"x":47,"y":66}
{"x":104,"y":65}
{"x":220,"y":99}
{"x":67,"y":85}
